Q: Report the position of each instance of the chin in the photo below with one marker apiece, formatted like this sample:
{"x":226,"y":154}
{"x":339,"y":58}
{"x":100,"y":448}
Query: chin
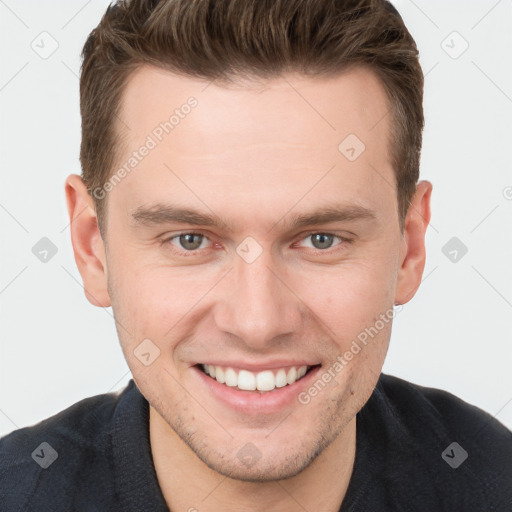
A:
{"x":254,"y":466}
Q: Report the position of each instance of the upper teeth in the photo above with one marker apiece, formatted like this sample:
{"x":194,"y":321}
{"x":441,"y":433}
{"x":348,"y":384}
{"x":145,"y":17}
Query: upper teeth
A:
{"x":262,"y":381}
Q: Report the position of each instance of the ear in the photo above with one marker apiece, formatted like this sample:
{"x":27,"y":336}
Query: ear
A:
{"x":87,"y":243}
{"x":412,"y":251}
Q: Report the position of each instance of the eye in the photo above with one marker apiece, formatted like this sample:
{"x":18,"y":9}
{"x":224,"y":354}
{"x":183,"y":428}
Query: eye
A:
{"x":188,"y":241}
{"x":323,"y":241}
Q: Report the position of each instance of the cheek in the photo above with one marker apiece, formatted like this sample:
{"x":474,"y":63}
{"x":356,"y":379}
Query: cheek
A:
{"x":351,"y":295}
{"x":155,"y":301}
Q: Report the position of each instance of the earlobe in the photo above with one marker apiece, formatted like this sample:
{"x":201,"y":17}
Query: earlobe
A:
{"x":88,"y":246}
{"x":412,"y":251}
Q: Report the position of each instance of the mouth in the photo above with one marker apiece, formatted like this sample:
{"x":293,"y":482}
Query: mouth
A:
{"x":265,"y":381}
{"x":260,"y":392}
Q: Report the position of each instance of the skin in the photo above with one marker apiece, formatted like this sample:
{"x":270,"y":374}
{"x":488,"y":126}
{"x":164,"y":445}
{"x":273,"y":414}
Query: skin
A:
{"x":255,"y":154}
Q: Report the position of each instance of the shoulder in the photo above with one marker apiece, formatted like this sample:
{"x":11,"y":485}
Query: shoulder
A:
{"x":461,"y":452}
{"x":436,"y":408}
{"x":56,"y":455}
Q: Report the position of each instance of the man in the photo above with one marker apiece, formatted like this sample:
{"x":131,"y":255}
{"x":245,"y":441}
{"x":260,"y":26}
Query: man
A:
{"x":251,"y":210}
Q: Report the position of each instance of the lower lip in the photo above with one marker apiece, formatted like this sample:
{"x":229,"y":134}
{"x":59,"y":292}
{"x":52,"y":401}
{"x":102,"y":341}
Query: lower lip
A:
{"x":254,"y":402}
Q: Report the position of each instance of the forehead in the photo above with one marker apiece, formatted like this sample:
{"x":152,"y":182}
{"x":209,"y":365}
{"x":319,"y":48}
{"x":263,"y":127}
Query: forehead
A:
{"x":329,"y":107}
{"x":277,"y":139}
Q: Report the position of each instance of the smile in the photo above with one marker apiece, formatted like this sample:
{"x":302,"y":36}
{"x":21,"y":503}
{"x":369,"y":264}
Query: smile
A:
{"x":263,"y":381}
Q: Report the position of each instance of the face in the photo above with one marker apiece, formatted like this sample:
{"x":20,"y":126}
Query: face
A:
{"x":247,"y":242}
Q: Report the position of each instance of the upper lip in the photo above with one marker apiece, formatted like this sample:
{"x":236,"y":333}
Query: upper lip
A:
{"x":260,"y":366}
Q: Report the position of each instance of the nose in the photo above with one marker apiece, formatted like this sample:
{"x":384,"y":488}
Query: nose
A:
{"x":256,"y":304}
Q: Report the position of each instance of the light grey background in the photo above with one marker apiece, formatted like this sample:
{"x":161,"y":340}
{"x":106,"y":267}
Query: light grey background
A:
{"x":56,"y":348}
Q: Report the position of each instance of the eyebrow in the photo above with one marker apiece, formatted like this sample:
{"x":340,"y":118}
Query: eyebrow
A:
{"x":160,"y":214}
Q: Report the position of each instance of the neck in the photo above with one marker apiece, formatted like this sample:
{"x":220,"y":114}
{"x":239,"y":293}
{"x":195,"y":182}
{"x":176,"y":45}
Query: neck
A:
{"x":190,"y":485}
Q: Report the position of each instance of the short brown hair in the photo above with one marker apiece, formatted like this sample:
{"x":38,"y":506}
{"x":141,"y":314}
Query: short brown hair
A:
{"x":222,"y":39}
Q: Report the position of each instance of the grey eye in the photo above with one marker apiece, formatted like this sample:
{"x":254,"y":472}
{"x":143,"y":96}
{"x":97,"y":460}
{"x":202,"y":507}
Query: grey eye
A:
{"x":322,"y":240}
{"x":190,"y":241}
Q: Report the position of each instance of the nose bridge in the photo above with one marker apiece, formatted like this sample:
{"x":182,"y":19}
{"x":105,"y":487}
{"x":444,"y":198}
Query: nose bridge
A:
{"x":257,"y":306}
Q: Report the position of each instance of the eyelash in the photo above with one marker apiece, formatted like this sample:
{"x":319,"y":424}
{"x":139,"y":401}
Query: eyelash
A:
{"x":185,"y":253}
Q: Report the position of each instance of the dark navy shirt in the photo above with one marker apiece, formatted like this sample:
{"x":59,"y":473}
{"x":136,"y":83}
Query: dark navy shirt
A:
{"x":418,"y":449}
